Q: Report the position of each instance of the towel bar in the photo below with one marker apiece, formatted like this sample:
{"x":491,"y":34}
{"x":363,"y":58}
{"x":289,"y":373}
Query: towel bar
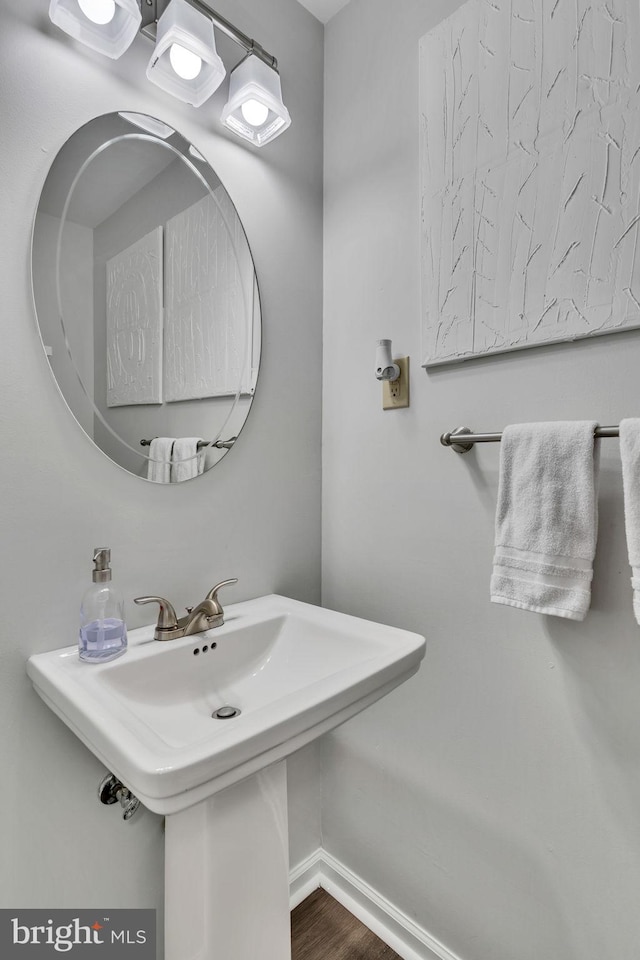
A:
{"x":220,"y":444}
{"x":462,"y":439}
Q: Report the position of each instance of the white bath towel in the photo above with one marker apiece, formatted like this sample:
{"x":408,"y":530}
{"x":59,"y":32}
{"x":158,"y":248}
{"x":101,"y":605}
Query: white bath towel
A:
{"x":160,"y":452}
{"x":187,"y":460}
{"x":547,"y":517}
{"x":630,"y":454}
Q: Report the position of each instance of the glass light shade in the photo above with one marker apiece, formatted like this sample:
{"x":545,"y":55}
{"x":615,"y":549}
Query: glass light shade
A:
{"x":111,"y":37}
{"x":184,"y":26}
{"x":185,"y":63}
{"x":99,"y":11}
{"x":255,"y":86}
{"x":254,"y":112}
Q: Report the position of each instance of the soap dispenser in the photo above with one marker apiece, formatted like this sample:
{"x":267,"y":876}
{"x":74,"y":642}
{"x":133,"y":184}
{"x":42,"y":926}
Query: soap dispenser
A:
{"x":103,"y":632}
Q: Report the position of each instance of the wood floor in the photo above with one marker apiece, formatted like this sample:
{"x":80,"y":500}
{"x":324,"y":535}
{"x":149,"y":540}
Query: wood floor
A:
{"x":321,"y":929}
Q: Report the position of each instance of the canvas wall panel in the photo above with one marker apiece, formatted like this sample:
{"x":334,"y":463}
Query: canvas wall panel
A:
{"x":134,"y":323}
{"x":209,"y":302}
{"x":530,"y":166}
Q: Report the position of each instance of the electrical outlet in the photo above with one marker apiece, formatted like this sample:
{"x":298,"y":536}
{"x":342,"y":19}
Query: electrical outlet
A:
{"x":396,"y":394}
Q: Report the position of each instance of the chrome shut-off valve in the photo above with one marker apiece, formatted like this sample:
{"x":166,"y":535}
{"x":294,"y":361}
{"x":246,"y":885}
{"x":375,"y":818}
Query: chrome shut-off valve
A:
{"x":112,"y":791}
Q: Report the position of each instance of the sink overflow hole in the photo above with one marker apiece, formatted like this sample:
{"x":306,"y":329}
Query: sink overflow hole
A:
{"x":226,"y":713}
{"x":196,"y":650}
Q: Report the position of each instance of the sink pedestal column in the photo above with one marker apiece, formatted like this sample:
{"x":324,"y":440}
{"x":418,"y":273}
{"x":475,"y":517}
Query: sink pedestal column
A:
{"x":227,"y":873}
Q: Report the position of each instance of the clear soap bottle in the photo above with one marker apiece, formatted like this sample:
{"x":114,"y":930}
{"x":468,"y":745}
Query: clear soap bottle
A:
{"x":103,"y":632}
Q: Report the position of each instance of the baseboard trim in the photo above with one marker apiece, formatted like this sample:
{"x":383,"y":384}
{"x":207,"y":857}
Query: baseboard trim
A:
{"x":305,"y":878}
{"x":397,"y":930}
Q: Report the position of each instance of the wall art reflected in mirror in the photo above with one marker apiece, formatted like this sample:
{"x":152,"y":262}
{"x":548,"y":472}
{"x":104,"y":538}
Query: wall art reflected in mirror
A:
{"x":146,"y":297}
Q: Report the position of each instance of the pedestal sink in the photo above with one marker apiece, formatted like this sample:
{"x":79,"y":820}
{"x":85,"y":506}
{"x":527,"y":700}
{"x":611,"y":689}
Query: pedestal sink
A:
{"x":292,"y":671}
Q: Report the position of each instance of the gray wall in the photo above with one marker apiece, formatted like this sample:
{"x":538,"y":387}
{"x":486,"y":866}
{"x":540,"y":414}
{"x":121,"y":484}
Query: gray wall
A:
{"x":493,"y":798}
{"x":255,"y":516}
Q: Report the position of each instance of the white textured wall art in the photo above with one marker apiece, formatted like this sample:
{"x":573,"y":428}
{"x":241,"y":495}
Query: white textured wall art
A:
{"x":134,"y":323}
{"x":209,"y":302}
{"x":530,"y":166}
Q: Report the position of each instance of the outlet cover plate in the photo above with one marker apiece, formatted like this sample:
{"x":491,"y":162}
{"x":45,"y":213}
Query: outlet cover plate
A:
{"x":396,"y":395}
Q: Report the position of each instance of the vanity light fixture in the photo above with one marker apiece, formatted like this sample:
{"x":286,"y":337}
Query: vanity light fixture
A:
{"x":255,"y":110}
{"x":185,"y":62}
{"x":108,"y":26}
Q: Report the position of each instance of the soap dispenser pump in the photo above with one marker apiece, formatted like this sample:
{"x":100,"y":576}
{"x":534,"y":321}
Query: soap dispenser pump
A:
{"x":103,"y":632}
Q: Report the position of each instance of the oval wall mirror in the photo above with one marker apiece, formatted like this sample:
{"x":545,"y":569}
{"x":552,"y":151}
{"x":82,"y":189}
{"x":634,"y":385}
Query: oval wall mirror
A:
{"x":146,"y":297}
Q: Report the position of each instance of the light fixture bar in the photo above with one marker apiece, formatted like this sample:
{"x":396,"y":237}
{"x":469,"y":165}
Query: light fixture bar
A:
{"x":241,"y":38}
{"x":149,"y":11}
{"x":152,"y":10}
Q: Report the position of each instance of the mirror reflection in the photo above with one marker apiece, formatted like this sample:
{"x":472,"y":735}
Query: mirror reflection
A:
{"x":146,"y":297}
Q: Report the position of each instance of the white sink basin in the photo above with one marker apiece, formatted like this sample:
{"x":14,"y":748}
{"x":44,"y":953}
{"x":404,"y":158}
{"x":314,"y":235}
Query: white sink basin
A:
{"x":294,"y":670}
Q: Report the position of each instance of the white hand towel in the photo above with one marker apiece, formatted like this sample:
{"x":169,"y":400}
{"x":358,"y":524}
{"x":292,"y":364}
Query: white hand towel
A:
{"x":547,"y":518}
{"x":630,"y":454}
{"x":187,"y":461}
{"x":159,"y":467}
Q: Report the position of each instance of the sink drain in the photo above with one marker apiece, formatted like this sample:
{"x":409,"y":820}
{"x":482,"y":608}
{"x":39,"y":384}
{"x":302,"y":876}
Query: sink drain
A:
{"x":226,"y":713}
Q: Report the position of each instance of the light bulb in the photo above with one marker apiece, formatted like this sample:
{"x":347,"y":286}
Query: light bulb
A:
{"x":98,"y":11}
{"x":254,"y":112}
{"x":185,"y":63}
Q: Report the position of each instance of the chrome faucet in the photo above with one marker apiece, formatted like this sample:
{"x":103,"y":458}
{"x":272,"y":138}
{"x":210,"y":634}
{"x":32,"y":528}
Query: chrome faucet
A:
{"x":207,"y":614}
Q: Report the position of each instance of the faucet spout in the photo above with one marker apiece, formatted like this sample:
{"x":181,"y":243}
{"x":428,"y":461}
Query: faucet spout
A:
{"x":203,"y":617}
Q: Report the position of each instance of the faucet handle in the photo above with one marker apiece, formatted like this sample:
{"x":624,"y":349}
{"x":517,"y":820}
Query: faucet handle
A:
{"x":213,"y":593}
{"x":167,"y":619}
